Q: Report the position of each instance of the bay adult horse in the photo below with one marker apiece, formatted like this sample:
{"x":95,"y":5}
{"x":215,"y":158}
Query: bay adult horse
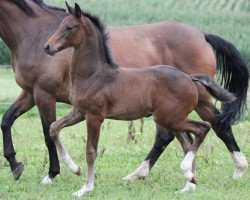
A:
{"x":44,"y":81}
{"x":100,"y":89}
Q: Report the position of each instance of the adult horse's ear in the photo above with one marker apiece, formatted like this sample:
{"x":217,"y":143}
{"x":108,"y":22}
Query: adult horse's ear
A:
{"x":78,"y":11}
{"x":70,"y":9}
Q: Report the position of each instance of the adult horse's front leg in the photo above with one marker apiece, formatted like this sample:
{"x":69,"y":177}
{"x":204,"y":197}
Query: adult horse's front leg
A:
{"x":93,"y":128}
{"x":46,"y":104}
{"x":162,"y":140}
{"x":22,"y":104}
{"x":68,"y":120}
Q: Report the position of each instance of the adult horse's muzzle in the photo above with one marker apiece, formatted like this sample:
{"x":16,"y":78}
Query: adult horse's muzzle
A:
{"x":49,"y":50}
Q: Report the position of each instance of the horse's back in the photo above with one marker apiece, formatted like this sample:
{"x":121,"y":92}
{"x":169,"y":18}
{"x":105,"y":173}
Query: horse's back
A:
{"x":168,"y":43}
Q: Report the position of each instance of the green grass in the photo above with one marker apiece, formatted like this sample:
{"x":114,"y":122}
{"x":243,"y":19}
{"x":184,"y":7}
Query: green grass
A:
{"x":117,"y":158}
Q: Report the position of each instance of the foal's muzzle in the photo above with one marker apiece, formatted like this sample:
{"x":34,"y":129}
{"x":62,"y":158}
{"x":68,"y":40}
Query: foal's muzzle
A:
{"x":49,"y":51}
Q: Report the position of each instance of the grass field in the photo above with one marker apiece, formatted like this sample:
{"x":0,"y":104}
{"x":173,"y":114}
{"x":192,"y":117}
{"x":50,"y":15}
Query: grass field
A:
{"x":116,"y":157}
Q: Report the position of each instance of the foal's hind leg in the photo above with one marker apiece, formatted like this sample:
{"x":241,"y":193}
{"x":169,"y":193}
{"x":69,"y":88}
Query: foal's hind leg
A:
{"x":200,"y":130}
{"x":186,"y":142}
{"x":207,"y":111}
{"x":68,"y":120}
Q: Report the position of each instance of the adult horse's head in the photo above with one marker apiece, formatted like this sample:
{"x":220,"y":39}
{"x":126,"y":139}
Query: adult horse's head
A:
{"x":69,"y":33}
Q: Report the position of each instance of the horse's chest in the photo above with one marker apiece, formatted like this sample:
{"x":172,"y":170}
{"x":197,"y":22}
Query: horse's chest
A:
{"x":23,"y":78}
{"x":86,"y":100}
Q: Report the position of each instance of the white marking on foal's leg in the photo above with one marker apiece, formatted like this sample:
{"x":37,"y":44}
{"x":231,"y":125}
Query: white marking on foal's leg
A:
{"x":66,"y":157}
{"x":186,"y":165}
{"x":89,"y":186}
{"x":47,"y":180}
{"x":240,"y":164}
{"x":141,"y":172}
{"x":188,"y":187}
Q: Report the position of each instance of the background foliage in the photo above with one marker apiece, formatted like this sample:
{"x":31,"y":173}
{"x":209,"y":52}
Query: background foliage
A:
{"x":228,"y":18}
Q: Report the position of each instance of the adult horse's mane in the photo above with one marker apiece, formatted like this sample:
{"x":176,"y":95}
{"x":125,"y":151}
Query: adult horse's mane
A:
{"x":104,"y":37}
{"x":27,"y":9}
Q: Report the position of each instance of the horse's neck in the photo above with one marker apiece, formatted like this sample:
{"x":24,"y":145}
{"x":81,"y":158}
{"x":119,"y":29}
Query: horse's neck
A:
{"x":87,"y":59}
{"x":17,"y":28}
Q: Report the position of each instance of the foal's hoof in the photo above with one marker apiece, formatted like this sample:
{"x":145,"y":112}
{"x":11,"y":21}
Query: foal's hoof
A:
{"x":17,"y":172}
{"x":189,"y":187}
{"x":78,"y":172}
{"x":85,"y":190}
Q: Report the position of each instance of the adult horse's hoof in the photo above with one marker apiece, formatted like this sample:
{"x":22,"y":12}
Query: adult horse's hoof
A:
{"x":240,"y":164}
{"x":17,"y":172}
{"x":47,"y":180}
{"x":239,"y":171}
{"x":140,"y":173}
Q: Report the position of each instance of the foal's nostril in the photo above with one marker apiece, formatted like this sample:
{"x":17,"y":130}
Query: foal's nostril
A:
{"x":46,"y":48}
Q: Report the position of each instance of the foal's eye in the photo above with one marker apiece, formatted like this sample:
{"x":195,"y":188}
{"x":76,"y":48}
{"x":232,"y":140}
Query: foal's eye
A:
{"x":68,"y":28}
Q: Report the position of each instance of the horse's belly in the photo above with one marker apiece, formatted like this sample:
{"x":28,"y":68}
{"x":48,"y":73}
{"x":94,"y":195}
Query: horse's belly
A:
{"x":128,"y":110}
{"x":128,"y":115}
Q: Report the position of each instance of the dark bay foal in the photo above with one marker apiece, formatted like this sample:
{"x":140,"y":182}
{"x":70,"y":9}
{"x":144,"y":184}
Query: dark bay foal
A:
{"x":101,"y":89}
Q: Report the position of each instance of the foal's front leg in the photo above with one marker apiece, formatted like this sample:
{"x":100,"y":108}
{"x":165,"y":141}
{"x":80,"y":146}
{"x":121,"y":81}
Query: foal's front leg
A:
{"x":94,"y":123}
{"x":68,"y":120}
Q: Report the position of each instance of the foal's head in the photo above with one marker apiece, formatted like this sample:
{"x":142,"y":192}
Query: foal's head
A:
{"x":70,"y":33}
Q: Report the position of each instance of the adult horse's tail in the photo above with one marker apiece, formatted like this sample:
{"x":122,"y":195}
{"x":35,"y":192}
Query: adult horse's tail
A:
{"x":234,"y":76}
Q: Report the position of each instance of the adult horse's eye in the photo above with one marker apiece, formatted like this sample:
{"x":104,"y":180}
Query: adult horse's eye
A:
{"x":68,"y":28}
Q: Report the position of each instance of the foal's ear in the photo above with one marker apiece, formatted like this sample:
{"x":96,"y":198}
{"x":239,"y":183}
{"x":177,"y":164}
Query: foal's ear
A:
{"x":70,"y":9}
{"x":78,"y":11}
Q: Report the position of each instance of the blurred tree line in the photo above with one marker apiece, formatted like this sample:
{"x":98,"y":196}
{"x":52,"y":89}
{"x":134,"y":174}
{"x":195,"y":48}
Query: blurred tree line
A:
{"x":4,"y":54}
{"x":228,"y":19}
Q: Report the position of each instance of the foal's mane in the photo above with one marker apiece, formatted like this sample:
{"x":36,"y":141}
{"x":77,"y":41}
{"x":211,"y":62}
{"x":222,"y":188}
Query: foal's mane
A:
{"x":104,"y":37}
{"x":27,"y":9}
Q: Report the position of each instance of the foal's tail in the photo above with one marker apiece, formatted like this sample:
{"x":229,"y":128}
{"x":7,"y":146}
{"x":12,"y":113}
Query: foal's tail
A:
{"x":234,"y":76}
{"x":213,"y":88}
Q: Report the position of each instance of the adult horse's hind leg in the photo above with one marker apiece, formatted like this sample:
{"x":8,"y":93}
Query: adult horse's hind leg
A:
{"x":68,"y":120}
{"x":199,"y":129}
{"x":46,"y":104}
{"x":207,"y":111}
{"x":162,"y":140}
{"x":22,"y":104}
